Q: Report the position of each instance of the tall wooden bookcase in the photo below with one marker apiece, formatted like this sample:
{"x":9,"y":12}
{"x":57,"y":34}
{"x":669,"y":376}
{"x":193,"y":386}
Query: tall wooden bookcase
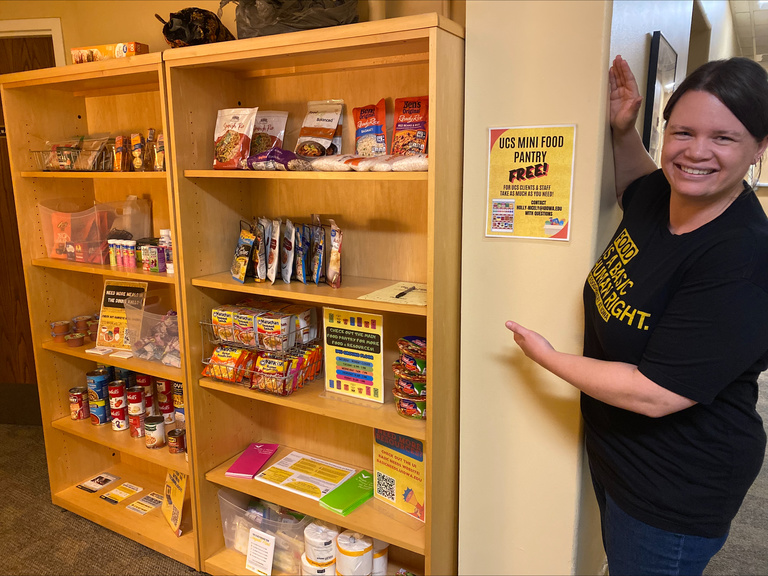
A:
{"x":116,"y":96}
{"x":403,"y":226}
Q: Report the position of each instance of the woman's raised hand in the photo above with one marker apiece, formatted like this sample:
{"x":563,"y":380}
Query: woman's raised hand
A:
{"x":625,"y":96}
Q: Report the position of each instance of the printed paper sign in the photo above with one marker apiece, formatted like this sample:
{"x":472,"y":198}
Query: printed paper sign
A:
{"x":530,"y":179}
{"x":147,"y":503}
{"x":112,"y":319}
{"x":353,"y":354}
{"x":261,"y":551}
{"x":125,"y":490}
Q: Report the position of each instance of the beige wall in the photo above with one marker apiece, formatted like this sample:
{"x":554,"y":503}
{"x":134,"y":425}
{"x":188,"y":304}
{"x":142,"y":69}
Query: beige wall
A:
{"x":527,"y":64}
{"x":723,"y":42}
{"x":526,"y":503}
{"x":94,"y":22}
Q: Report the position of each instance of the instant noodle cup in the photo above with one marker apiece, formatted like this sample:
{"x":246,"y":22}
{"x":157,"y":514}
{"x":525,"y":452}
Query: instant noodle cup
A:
{"x":402,"y":370}
{"x":415,"y":346}
{"x":410,"y":387}
{"x":414,"y":407}
{"x":61,"y":327}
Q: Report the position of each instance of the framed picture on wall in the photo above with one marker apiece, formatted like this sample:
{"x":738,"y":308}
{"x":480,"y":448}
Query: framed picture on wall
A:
{"x":661,"y":84}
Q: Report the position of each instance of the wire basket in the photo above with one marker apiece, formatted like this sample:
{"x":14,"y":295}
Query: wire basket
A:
{"x":88,"y":155}
{"x":259,"y":368}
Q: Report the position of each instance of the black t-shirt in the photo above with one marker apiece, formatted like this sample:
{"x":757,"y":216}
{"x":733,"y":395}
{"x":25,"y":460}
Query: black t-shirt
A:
{"x":691,"y":311}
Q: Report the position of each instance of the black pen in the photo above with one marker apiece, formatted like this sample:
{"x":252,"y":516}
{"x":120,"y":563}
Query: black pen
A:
{"x":404,"y":292}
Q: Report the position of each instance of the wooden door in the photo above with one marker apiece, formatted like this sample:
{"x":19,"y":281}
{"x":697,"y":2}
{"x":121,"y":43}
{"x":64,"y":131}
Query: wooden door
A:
{"x":18,"y":382}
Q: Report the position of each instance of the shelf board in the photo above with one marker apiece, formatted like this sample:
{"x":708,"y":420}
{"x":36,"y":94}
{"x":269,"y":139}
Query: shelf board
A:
{"x":346,"y":296}
{"x":123,"y":442}
{"x":141,"y":366}
{"x":93,"y":175}
{"x":374,"y":518}
{"x":228,"y":562}
{"x":105,"y":270}
{"x":151,"y":530}
{"x":277,"y":175}
{"x":314,"y":399}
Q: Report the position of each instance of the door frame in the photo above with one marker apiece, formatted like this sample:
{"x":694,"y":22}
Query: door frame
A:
{"x":37,"y":27}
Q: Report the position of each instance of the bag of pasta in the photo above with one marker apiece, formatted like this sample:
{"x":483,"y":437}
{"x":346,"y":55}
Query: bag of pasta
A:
{"x":232,"y":138}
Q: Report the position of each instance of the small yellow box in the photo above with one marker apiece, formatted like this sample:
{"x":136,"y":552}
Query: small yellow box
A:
{"x":108,"y":51}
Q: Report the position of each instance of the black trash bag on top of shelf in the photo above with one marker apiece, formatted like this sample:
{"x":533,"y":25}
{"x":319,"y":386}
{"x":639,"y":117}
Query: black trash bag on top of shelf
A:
{"x":192,"y":27}
{"x":266,"y":17}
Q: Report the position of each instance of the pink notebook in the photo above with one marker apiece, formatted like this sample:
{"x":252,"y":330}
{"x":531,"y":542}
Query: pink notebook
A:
{"x":251,"y":460}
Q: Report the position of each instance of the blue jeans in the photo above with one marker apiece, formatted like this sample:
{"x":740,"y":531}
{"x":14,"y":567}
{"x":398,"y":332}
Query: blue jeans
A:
{"x":634,"y":548}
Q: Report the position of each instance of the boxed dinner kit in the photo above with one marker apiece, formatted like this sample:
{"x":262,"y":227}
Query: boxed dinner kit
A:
{"x":107,"y":51}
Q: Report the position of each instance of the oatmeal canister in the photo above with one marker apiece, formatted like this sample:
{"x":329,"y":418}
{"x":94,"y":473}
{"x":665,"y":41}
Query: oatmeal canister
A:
{"x":78,"y":403}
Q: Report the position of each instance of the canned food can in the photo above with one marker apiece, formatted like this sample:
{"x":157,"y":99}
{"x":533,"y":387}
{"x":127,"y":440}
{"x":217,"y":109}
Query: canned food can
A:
{"x":136,"y":425}
{"x":181,"y":420}
{"x":143,"y":380}
{"x":135,"y":397}
{"x":154,"y":430}
{"x":127,"y":375}
{"x":118,"y":397}
{"x":164,"y":390}
{"x":177,"y":441}
{"x":150,"y":405}
{"x":98,"y":381}
{"x":178,"y":395}
{"x":78,"y":403}
{"x":110,"y":370}
{"x":99,"y":412}
{"x":119,"y":418}
{"x":112,"y":254}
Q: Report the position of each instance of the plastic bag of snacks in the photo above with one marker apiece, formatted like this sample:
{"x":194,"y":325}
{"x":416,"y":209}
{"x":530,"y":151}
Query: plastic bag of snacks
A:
{"x":333,"y":273}
{"x":411,"y":125}
{"x":243,"y":252}
{"x":232,"y":137}
{"x":268,"y":131}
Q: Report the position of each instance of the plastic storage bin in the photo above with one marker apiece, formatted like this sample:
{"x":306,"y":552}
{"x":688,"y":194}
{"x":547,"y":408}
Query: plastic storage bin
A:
{"x":237,"y":521}
{"x":79,"y":233}
{"x":153,"y":329}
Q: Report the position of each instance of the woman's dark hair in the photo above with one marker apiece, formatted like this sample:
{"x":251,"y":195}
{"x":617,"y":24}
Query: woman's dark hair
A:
{"x":739,"y":83}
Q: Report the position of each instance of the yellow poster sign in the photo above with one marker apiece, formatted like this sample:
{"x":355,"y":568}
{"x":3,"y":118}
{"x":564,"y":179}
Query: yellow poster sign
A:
{"x":530,"y":179}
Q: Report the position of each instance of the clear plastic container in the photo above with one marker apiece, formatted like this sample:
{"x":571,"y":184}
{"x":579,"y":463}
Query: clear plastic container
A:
{"x":237,"y":521}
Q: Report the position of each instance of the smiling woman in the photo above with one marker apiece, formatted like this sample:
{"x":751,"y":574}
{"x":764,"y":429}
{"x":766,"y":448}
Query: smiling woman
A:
{"x":676,"y":325}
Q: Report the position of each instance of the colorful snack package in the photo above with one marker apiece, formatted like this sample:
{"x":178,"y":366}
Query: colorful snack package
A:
{"x":232,"y":137}
{"x":300,"y":256}
{"x":273,"y":255}
{"x":121,"y":161}
{"x":228,"y":363}
{"x":411,"y":126}
{"x":333,"y":273}
{"x":279,"y":160}
{"x":318,"y":131}
{"x":286,"y":251}
{"x":371,"y":129}
{"x":137,"y":152}
{"x":317,"y":263}
{"x":258,"y":251}
{"x":276,"y":331}
{"x":242,"y":255}
{"x":244,"y":324}
{"x":222,"y":319}
{"x":268,"y":131}
{"x":261,"y":269}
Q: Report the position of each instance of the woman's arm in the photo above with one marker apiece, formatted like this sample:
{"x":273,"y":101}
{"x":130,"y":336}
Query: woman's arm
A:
{"x":615,"y":383}
{"x":630,"y":159}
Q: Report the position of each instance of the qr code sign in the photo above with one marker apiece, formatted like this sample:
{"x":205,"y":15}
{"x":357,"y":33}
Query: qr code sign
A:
{"x":385,"y":486}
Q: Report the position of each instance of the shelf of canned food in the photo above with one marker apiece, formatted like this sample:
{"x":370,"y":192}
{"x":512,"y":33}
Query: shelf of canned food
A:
{"x":277,"y":363}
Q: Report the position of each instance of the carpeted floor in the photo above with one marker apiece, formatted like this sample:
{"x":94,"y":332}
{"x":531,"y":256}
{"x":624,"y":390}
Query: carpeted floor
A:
{"x":38,"y":538}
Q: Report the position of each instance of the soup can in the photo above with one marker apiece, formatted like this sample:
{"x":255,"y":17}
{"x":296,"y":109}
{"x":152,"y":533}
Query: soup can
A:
{"x":135,"y":400}
{"x":78,"y":403}
{"x":127,"y":375}
{"x":150,"y":405}
{"x":119,"y":418}
{"x":98,"y":381}
{"x":136,"y":425}
{"x":118,"y":397}
{"x":164,"y":390}
{"x":143,"y":380}
{"x":177,"y":441}
{"x":167,"y":411}
{"x":154,"y":431}
{"x":99,"y":412}
{"x":178,"y":395}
